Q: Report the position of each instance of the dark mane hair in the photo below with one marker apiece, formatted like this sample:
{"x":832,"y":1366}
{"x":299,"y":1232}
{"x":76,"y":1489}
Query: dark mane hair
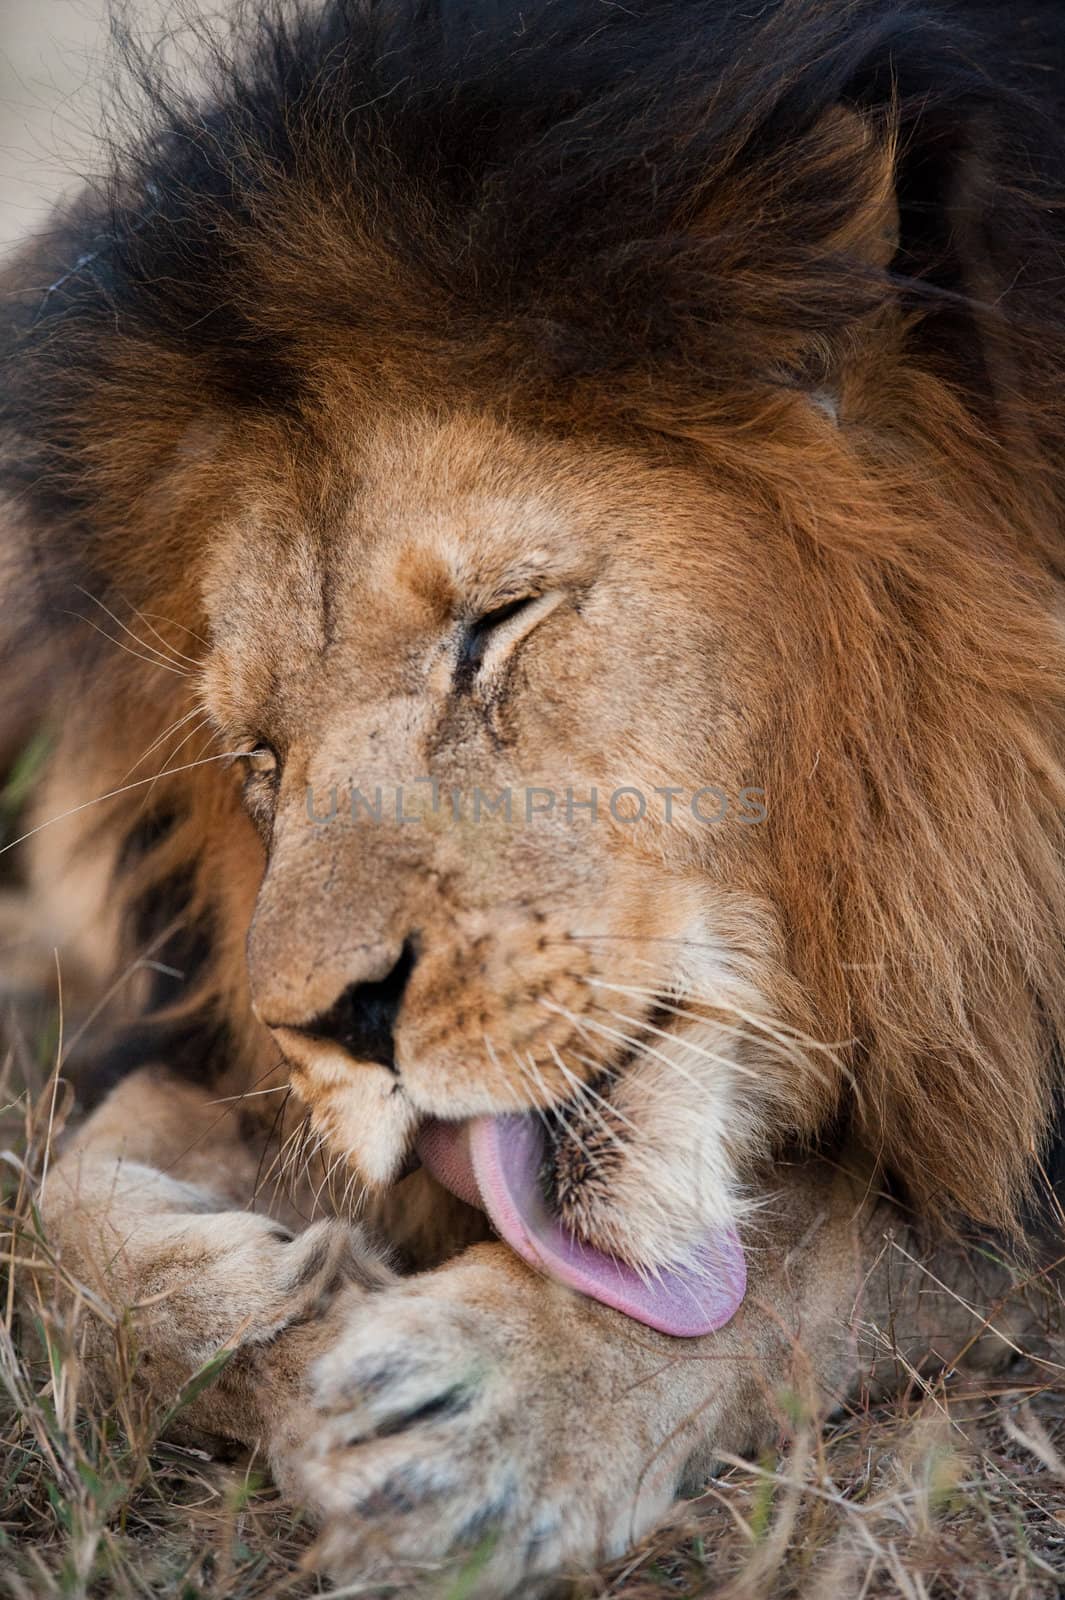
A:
{"x":648,"y":218}
{"x":611,"y":201}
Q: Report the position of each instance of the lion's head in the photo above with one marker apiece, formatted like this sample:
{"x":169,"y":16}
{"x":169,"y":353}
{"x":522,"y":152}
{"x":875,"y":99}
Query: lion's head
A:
{"x":579,"y":491}
{"x":506,"y":735}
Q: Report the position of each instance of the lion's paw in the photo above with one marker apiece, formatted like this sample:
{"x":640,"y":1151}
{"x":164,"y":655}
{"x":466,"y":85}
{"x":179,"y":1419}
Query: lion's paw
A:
{"x":456,"y":1425}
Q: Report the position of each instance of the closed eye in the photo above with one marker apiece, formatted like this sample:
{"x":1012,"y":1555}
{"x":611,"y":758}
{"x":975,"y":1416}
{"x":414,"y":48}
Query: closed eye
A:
{"x":503,"y":625}
{"x":261,"y":761}
{"x":262,"y":778}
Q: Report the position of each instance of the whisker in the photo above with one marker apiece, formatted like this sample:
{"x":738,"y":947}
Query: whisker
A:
{"x":348,"y":1211}
{"x":250,"y":1094}
{"x":636,"y":1044}
{"x":279,"y":1121}
{"x":641,"y":938}
{"x":171,"y":649}
{"x":720,"y":1003}
{"x":340,"y":1161}
{"x":166,"y":771}
{"x":502,"y":1075}
{"x":779,"y":1030}
{"x":593,"y":1065}
{"x":313,"y":1154}
{"x":586,"y":1093}
{"x":689,"y":1014}
{"x":784,"y":1036}
{"x":194,"y":711}
{"x":542,"y":1099}
{"x":280,"y":1163}
{"x":684,"y":1043}
{"x":166,"y":657}
{"x":558,"y":1111}
{"x":316,"y":1194}
{"x":174,"y":727}
{"x":138,"y":655}
{"x":138,"y":963}
{"x":113,"y":794}
{"x":181,"y":627}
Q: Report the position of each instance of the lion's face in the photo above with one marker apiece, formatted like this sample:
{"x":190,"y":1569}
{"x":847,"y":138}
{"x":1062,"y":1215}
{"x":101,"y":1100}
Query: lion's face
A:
{"x":482,"y":638}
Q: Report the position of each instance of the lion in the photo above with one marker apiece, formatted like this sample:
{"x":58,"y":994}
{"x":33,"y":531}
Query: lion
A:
{"x":537,"y":536}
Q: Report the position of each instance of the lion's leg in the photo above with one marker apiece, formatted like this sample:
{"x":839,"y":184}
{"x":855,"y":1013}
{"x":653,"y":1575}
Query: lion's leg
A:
{"x":145,"y":1209}
{"x":479,"y":1402}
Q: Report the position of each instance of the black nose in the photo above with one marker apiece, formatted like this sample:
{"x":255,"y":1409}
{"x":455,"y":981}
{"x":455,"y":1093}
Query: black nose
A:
{"x":363,"y":1017}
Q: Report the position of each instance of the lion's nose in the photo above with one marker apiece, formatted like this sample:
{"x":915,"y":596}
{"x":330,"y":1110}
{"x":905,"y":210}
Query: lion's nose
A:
{"x":362,"y":1018}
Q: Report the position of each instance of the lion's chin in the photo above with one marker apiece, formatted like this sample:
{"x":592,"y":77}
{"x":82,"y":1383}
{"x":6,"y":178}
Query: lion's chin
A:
{"x":496,"y":1163}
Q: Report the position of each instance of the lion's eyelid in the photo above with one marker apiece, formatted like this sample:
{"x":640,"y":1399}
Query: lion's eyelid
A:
{"x":503,"y":628}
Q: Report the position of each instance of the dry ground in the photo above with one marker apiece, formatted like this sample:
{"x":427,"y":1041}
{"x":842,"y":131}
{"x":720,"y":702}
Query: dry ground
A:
{"x":946,"y":1494}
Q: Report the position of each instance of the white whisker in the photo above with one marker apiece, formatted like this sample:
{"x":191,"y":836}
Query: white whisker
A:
{"x":249,"y":1094}
{"x":166,"y":771}
{"x":172,"y":623}
{"x":519,"y":1104}
{"x":195,"y":711}
{"x":165,"y":657}
{"x":635,"y":1043}
{"x":171,"y":649}
{"x":585,"y":1093}
{"x":113,"y":794}
{"x":558,"y":1110}
{"x":684,"y":1042}
{"x":778,"y":1031}
{"x":138,"y":655}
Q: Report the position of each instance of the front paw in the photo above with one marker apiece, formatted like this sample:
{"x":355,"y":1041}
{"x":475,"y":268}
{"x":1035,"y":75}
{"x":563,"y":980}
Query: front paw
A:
{"x":478,"y":1417}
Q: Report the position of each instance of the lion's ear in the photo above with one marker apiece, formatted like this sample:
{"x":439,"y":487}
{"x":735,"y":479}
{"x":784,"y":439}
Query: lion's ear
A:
{"x":870,"y":236}
{"x":868,"y":240}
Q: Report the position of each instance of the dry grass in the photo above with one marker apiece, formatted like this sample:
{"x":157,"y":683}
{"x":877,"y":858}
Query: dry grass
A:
{"x":949,"y":1492}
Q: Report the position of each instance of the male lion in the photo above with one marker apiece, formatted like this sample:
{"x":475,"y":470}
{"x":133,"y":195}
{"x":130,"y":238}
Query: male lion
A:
{"x":544,"y":523}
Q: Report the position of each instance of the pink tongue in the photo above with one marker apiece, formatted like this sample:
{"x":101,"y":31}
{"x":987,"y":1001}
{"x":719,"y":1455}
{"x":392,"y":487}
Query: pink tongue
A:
{"x":494,"y":1163}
